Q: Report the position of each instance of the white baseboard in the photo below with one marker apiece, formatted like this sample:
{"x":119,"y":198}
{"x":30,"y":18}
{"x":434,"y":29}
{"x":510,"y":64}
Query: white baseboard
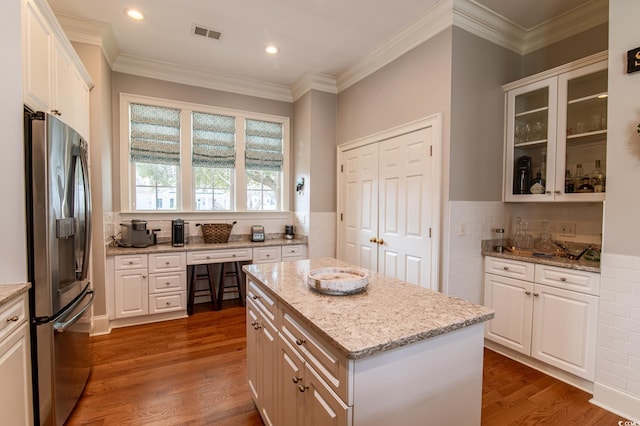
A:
{"x":100,"y":325}
{"x":617,"y":401}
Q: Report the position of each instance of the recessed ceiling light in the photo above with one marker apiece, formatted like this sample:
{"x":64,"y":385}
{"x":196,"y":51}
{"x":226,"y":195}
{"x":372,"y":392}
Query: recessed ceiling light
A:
{"x":272,"y":50}
{"x":134,"y":14}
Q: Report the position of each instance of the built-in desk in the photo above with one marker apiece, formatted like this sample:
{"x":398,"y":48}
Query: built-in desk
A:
{"x":150,"y":284}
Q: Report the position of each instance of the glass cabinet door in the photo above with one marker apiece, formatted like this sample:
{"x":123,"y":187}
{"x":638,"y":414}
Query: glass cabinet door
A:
{"x":531,"y":141}
{"x":582,"y":134}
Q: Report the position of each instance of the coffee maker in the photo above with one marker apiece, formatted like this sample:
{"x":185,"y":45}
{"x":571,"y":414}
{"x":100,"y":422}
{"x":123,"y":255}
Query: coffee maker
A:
{"x":136,"y":234}
{"x":522,"y":175}
{"x":177,"y":233}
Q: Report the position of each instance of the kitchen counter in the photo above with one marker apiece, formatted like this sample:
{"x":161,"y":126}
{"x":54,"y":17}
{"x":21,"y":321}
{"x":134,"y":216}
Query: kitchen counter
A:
{"x":562,"y":262}
{"x":8,"y":292}
{"x":389,"y":314}
{"x":167,"y":247}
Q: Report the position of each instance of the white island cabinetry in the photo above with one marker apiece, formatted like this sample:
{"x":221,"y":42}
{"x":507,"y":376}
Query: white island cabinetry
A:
{"x":346,"y":360}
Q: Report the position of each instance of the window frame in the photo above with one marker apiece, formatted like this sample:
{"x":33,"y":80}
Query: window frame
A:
{"x":186,"y":180}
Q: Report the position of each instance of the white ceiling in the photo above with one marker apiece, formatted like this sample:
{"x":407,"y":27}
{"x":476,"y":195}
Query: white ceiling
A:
{"x":319,"y":36}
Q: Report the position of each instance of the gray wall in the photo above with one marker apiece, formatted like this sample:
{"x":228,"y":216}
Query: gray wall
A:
{"x":100,"y":163}
{"x":579,"y":46}
{"x":127,"y":83}
{"x":301,"y":149}
{"x":415,"y":85}
{"x":479,"y":69}
{"x":322,"y":182}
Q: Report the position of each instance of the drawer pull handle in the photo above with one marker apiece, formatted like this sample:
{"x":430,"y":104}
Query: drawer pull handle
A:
{"x":168,"y":303}
{"x":302,"y":388}
{"x":144,"y":276}
{"x":528,"y":293}
{"x":13,"y":319}
{"x":300,"y":342}
{"x":234,"y":255}
{"x":253,"y":324}
{"x":506,"y":268}
{"x":167,"y":263}
{"x":208,"y":257}
{"x":255,"y":296}
{"x":131,"y":262}
{"x":296,"y":379}
{"x":268,"y":255}
{"x":167,"y":283}
{"x":563,"y":279}
{"x":257,"y":326}
{"x":536,"y":294}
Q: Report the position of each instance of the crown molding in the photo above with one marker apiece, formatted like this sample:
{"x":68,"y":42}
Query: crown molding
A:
{"x":420,"y":30}
{"x":92,"y":32}
{"x":567,"y":25}
{"x":317,"y":81}
{"x":195,"y":77}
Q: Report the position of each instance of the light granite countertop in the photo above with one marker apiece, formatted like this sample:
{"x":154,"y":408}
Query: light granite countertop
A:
{"x":8,"y":292}
{"x":562,"y":262}
{"x":389,"y":314}
{"x":167,"y":247}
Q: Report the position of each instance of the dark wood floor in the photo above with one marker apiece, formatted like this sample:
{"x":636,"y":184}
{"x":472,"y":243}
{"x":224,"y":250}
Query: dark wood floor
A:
{"x":193,"y":372}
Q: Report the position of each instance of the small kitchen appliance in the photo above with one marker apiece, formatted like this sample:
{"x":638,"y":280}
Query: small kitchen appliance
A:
{"x":522,"y":175}
{"x":136,"y":234}
{"x":257,"y":233}
{"x":288,"y":232}
{"x":177,"y":233}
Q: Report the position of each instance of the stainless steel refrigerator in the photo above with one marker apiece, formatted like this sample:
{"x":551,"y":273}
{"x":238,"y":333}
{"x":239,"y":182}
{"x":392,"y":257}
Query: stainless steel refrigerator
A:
{"x":59,"y":241}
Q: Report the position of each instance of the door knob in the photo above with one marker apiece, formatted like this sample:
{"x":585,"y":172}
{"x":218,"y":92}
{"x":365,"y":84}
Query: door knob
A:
{"x":380,"y":241}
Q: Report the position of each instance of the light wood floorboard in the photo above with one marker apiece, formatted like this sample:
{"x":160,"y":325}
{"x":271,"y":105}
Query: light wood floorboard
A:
{"x":193,"y":372}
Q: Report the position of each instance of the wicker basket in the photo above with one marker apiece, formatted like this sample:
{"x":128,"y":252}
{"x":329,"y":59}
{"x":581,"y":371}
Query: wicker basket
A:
{"x":216,"y":232}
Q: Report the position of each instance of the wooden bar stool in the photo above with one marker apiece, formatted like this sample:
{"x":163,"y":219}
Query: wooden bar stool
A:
{"x":237,"y":285}
{"x":211,"y":291}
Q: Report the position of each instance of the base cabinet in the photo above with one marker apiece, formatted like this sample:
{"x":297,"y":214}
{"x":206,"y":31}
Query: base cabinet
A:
{"x":545,"y":321}
{"x":16,"y":403}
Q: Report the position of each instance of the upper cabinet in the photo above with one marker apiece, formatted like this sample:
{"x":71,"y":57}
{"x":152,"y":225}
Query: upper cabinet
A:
{"x":556,"y":134}
{"x":54,"y":78}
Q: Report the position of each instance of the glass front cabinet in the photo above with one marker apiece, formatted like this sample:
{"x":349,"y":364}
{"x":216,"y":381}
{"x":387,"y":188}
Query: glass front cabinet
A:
{"x":556,"y":134}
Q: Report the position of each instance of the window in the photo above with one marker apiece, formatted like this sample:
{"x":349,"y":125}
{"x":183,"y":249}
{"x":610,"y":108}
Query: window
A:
{"x":185,"y":157}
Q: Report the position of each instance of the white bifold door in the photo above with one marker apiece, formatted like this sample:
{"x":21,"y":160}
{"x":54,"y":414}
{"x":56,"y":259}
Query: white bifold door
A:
{"x":387,"y":200}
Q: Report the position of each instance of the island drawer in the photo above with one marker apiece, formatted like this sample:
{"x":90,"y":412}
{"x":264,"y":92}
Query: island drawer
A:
{"x":266,"y":254}
{"x":130,"y":261}
{"x":165,"y":262}
{"x":509,"y":268}
{"x":569,"y":279}
{"x":218,"y":256}
{"x":262,"y":300}
{"x":329,"y":364}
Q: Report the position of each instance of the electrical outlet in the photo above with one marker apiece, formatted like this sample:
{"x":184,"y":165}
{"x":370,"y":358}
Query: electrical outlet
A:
{"x":568,"y":229}
{"x":461,"y":229}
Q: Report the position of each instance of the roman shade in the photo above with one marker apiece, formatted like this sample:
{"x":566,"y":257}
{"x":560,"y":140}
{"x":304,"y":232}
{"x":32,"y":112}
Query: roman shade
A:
{"x":263,"y":145}
{"x":214,"y":141}
{"x":155,"y":134}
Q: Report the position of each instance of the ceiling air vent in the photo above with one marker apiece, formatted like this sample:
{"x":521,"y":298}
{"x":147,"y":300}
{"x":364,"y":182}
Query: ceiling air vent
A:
{"x":200,"y":30}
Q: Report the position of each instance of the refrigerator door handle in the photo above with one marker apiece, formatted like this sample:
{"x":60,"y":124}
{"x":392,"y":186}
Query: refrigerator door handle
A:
{"x":81,"y":154}
{"x":62,"y":326}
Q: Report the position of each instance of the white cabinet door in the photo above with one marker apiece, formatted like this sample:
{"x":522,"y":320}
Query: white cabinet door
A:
{"x":359,"y":194}
{"x":131,"y":293}
{"x":252,"y":350}
{"x":565,"y":329}
{"x":512,"y":301}
{"x":63,"y":96}
{"x":404,"y":213}
{"x":15,"y":370}
{"x":81,"y":105}
{"x":37,"y":45}
{"x":321,"y":406}
{"x":290,"y":381}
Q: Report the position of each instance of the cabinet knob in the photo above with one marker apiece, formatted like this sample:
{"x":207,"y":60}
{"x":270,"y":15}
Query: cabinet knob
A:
{"x":168,"y":303}
{"x":302,"y":388}
{"x":12,"y":319}
{"x":268,"y":255}
{"x":56,"y":112}
{"x":253,"y":324}
{"x":300,"y":342}
{"x":257,"y":327}
{"x":296,"y":379}
{"x":208,"y":257}
{"x":234,"y":255}
{"x":557,"y":192}
{"x":506,"y":268}
{"x":563,"y":279}
{"x":536,"y":294}
{"x":528,"y":293}
{"x":167,"y":263}
{"x":255,"y":296}
{"x":167,"y":283}
{"x":547,"y":192}
{"x":144,"y":276}
{"x":131,"y":262}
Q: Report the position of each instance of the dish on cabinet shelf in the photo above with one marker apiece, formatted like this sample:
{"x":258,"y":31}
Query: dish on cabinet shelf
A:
{"x":338,"y":281}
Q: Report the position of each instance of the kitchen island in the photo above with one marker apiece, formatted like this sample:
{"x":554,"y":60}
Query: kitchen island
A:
{"x":393,"y":354}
